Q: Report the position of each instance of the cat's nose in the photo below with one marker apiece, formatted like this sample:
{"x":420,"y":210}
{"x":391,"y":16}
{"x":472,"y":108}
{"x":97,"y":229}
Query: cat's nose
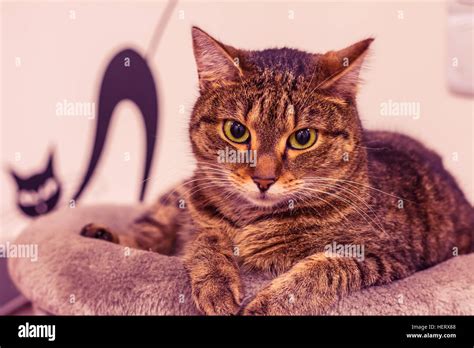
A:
{"x":41,"y":208}
{"x":263,"y":184}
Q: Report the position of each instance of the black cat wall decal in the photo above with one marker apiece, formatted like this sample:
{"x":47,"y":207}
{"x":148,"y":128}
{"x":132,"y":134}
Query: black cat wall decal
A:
{"x":127,"y":77}
{"x":39,"y":193}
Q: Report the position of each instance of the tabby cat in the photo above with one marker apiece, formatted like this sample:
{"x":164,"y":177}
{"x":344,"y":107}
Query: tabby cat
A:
{"x":320,"y":180}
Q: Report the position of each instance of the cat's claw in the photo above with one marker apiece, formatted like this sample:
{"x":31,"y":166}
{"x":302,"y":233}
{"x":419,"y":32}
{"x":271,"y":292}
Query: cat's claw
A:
{"x":217,"y":298}
{"x":98,"y":232}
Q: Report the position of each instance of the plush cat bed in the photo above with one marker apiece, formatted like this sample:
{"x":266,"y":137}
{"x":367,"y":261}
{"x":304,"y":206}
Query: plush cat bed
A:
{"x":77,"y":275}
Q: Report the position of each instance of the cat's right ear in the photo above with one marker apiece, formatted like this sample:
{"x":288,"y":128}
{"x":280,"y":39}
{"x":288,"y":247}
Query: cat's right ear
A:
{"x":217,"y":63}
{"x":18,"y":180}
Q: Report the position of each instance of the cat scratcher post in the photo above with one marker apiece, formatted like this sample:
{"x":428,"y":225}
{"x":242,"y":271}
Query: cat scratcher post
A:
{"x":77,"y":275}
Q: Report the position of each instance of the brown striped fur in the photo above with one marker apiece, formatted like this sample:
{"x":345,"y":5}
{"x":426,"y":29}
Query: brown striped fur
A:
{"x":380,"y":190}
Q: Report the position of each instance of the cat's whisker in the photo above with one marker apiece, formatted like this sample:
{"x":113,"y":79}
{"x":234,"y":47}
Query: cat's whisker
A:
{"x":371,"y":148}
{"x":205,"y":185}
{"x":347,"y":190}
{"x":179,"y":186}
{"x":346,"y":221}
{"x":212,"y":170}
{"x":209,"y":166}
{"x":311,"y":198}
{"x":340,"y":187}
{"x":229,"y":195}
{"x":344,"y":199}
{"x":351,"y":203}
{"x":356,"y":183}
{"x":347,"y":201}
{"x":223,"y":174}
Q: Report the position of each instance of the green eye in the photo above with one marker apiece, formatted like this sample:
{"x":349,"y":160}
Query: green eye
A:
{"x":236,"y":131}
{"x":303,"y":138}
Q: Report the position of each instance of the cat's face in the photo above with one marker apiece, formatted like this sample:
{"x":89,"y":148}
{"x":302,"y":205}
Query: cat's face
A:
{"x":290,"y":115}
{"x":40,"y":193}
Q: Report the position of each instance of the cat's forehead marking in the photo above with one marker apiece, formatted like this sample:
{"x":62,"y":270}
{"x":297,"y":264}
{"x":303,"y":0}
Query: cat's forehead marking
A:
{"x":273,"y":110}
{"x":290,"y":116}
{"x":251,"y":117}
{"x":333,"y":100}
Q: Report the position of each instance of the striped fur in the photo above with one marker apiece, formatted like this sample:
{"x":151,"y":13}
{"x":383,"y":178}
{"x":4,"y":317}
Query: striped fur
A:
{"x":383,"y":191}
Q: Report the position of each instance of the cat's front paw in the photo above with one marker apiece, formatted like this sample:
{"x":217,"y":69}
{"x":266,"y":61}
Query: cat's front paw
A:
{"x":269,"y":301}
{"x":293,"y":293}
{"x":286,"y":295}
{"x":218,"y":295}
{"x":98,"y":232}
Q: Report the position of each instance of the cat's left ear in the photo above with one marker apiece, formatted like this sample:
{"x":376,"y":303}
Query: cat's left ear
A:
{"x":342,"y":68}
{"x":49,"y":168}
{"x":217,"y":64}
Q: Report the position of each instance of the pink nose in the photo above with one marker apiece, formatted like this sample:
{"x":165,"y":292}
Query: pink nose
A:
{"x":263,"y":184}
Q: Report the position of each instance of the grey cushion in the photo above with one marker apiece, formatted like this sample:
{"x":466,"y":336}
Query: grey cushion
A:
{"x":77,"y":275}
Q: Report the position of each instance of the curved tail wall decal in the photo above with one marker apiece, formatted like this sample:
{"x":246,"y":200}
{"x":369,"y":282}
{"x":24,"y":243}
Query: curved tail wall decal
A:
{"x":127,"y":77}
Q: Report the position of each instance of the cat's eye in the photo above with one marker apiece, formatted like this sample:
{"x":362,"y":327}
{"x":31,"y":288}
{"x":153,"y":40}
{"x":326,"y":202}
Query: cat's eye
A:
{"x":48,"y":189}
{"x":303,"y":138}
{"x":28,"y":198}
{"x":236,"y":131}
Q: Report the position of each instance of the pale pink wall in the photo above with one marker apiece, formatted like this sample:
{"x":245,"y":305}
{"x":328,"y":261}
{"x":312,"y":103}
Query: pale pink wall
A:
{"x":64,"y":59}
